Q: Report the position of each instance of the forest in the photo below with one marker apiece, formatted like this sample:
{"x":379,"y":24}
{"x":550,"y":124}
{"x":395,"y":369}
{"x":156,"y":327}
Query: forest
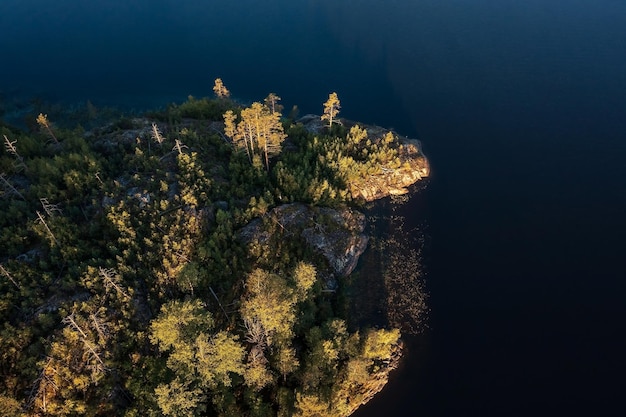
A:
{"x":126,"y":288}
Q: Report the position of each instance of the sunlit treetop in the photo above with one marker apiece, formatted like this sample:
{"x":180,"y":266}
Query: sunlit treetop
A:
{"x":220,"y":89}
{"x":331,"y":109}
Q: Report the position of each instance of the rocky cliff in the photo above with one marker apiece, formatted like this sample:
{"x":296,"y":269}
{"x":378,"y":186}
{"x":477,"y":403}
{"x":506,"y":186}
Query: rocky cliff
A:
{"x":394,"y":181}
{"x":336,"y":234}
{"x":389,"y":181}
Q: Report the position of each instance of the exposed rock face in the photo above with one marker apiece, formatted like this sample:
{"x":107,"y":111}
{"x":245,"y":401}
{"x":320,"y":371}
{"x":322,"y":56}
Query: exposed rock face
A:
{"x":335,"y":234}
{"x":414,"y":165}
{"x":394,"y":181}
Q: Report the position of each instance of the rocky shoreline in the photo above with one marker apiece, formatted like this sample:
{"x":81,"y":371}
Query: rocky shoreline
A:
{"x":414,"y":164}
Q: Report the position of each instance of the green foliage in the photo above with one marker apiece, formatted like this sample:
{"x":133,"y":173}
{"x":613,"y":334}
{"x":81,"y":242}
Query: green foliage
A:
{"x":379,"y":344}
{"x":271,"y":301}
{"x":199,"y":109}
{"x":179,"y":323}
{"x":217,"y":357}
{"x":329,"y":169}
{"x":125,"y":288}
{"x":178,"y":399}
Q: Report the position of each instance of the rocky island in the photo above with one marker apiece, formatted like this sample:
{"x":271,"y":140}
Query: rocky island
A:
{"x":192,"y":261}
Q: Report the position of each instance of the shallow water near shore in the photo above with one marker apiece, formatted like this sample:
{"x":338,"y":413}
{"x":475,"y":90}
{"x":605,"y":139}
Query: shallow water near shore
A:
{"x":520,"y":108}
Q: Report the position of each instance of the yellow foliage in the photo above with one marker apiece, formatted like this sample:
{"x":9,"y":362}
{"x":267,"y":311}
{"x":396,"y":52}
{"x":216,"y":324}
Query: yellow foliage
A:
{"x":270,"y":301}
{"x":305,"y":276}
{"x":379,"y":343}
{"x":257,"y":375}
{"x":311,"y":406}
{"x":331,"y":109}
{"x":42,"y":120}
{"x":179,"y":323}
{"x":220,"y":89}
{"x":356,"y":134}
{"x":259,"y":133}
{"x":217,"y":356}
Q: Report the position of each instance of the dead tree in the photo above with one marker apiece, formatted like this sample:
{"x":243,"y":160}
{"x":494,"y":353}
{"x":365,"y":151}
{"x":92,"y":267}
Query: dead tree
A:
{"x":255,"y":332}
{"x":98,"y":367}
{"x":10,"y":147}
{"x":43,"y":221}
{"x":179,"y":147}
{"x":100,"y":326}
{"x":218,"y":302}
{"x":257,"y":337}
{"x":49,"y":208}
{"x":111,"y":279}
{"x":90,"y":348}
{"x":71,"y":321}
{"x":41,"y":386}
{"x":156,"y":134}
{"x":8,"y":186}
{"x":8,"y":275}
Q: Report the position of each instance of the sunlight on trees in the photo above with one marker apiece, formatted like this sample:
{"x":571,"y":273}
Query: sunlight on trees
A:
{"x":179,"y":398}
{"x":258,"y":133}
{"x":126,"y":287}
{"x":42,"y":120}
{"x":271,"y":101}
{"x":271,"y":302}
{"x":179,"y":323}
{"x":331,"y":109}
{"x":220,"y":89}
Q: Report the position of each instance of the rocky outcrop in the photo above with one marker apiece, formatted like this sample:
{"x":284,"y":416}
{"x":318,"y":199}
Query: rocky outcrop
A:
{"x":336,"y":234}
{"x":389,"y":181}
{"x":394,"y":181}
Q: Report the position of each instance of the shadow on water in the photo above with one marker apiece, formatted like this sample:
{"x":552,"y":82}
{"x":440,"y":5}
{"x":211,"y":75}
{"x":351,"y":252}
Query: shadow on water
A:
{"x":388,"y":288}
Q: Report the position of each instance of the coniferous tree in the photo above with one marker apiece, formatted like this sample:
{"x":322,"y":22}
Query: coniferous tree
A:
{"x":220,"y":89}
{"x":42,"y":120}
{"x":271,"y":101}
{"x":259,"y":132}
{"x":331,"y":109}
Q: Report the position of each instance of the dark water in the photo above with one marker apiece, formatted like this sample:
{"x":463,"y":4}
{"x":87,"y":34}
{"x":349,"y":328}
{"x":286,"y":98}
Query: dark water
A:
{"x":521,"y":106}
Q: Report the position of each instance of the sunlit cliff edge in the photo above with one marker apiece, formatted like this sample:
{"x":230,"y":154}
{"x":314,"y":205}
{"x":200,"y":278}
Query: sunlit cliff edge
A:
{"x":388,"y":181}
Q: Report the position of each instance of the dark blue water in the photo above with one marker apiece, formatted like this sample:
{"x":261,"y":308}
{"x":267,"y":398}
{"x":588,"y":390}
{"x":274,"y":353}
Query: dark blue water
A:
{"x":521,"y":106}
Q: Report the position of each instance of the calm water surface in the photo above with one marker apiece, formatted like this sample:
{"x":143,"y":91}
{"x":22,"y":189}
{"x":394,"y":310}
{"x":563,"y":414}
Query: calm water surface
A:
{"x":521,"y":106}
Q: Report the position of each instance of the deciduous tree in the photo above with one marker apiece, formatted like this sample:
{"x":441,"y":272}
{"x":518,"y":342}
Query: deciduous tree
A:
{"x":271,"y":302}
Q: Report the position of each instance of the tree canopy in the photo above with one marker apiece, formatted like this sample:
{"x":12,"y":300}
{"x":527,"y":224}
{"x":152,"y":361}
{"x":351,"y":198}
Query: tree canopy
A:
{"x":126,"y":287}
{"x":259,"y":132}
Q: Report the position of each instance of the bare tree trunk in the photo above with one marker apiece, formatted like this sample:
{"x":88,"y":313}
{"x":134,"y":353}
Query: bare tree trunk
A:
{"x":10,"y":187}
{"x":41,"y":219}
{"x":218,"y":302}
{"x":6,"y":274}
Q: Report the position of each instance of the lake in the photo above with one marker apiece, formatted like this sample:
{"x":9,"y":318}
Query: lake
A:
{"x":521,"y":108}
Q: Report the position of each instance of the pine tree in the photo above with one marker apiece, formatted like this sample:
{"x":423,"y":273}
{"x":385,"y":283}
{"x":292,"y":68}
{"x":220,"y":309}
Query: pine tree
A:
{"x":42,"y":120}
{"x":220,"y":89}
{"x":331,"y":109}
{"x":259,"y":132}
{"x":271,"y":101}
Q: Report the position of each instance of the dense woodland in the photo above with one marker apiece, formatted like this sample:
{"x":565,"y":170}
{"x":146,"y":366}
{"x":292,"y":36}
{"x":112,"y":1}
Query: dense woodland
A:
{"x":125,"y":290}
